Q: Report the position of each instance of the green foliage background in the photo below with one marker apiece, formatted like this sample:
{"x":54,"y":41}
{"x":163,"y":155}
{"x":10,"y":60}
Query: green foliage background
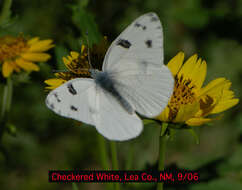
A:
{"x":46,"y":141}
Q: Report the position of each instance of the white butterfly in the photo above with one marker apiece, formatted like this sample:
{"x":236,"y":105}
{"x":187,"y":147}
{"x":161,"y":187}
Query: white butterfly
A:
{"x":133,"y":79}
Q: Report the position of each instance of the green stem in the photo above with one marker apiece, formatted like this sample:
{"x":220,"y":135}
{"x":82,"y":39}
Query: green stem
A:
{"x":162,"y":149}
{"x":103,"y":152}
{"x":114,"y":161}
{"x":104,"y":157}
{"x":5,"y":12}
{"x":130,"y":157}
{"x":6,"y":104}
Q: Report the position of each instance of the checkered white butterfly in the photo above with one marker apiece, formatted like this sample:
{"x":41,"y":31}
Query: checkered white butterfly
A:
{"x":133,"y":79}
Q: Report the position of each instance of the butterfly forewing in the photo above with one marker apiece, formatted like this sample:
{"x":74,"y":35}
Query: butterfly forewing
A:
{"x":136,"y":66}
{"x":140,"y":41}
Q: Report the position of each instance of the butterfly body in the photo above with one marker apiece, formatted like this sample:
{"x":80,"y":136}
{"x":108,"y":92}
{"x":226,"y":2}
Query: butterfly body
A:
{"x":104,"y":80}
{"x":133,"y":79}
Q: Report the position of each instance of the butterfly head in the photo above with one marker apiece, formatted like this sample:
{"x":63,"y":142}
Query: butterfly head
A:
{"x":94,"y":73}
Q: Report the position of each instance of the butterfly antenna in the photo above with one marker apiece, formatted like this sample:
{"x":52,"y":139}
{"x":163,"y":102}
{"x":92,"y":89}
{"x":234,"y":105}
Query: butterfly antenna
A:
{"x":88,"y":51}
{"x":57,"y":71}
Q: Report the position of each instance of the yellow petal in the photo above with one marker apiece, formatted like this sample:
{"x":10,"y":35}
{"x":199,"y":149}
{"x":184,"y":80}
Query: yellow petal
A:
{"x":7,"y":69}
{"x":39,"y":57}
{"x":194,"y":70}
{"x":82,"y":48}
{"x":198,"y":121}
{"x":213,"y":87}
{"x":66,"y":61}
{"x":224,"y":105}
{"x":164,"y":116}
{"x":186,"y":112}
{"x":40,"y":46}
{"x":27,"y":65}
{"x":54,"y":82}
{"x":33,"y":40}
{"x":188,"y":67}
{"x":74,"y":54}
{"x":175,"y":63}
{"x":199,"y":73}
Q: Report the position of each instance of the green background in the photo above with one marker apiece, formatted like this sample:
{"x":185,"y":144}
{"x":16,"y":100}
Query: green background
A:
{"x":44,"y":141}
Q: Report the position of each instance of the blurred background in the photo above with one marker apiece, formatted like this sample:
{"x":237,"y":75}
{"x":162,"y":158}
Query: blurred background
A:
{"x":44,"y":141}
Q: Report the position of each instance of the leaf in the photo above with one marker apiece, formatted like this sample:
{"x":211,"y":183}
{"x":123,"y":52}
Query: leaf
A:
{"x":194,"y":134}
{"x":85,"y":22}
{"x":233,"y":164}
{"x":74,"y":186}
{"x":163,"y":128}
{"x":5,"y":12}
{"x":220,"y":184}
{"x":60,"y":52}
{"x":148,"y":121}
{"x":11,"y":129}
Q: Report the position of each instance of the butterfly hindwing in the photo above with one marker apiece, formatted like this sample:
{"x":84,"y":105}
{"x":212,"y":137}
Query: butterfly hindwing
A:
{"x":113,"y":121}
{"x":75,"y":99}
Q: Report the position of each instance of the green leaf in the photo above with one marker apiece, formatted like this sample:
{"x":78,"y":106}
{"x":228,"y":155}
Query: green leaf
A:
{"x":163,"y":128}
{"x":148,"y":121}
{"x":172,"y":133}
{"x":11,"y":129}
{"x":233,"y":166}
{"x":194,"y":134}
{"x":74,"y":186}
{"x":5,"y":12}
{"x":60,"y":52}
{"x":85,"y":22}
{"x":83,"y":3}
{"x":219,"y":184}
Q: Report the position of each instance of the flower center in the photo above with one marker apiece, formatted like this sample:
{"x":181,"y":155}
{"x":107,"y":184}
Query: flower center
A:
{"x":182,"y":95}
{"x":11,"y":47}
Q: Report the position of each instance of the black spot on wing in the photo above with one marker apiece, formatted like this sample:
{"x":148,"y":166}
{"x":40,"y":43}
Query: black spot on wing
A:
{"x":73,"y":108}
{"x":124,"y":43}
{"x":151,"y":14}
{"x":57,"y":97}
{"x":47,"y":101}
{"x":148,"y":43}
{"x":154,"y":19}
{"x":52,"y":106}
{"x":71,"y":89}
{"x":138,"y":25}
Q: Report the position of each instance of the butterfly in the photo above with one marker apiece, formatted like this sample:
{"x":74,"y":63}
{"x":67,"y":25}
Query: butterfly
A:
{"x":133,"y":81}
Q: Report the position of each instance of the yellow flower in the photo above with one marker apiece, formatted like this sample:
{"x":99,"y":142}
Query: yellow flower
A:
{"x":17,"y":53}
{"x":191,"y":103}
{"x":77,"y":64}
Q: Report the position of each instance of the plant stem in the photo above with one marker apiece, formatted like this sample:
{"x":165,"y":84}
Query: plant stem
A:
{"x":162,"y":148}
{"x":130,"y":157}
{"x":114,"y":161}
{"x":103,"y":152}
{"x":104,"y":157}
{"x":5,"y":12}
{"x":6,"y":105}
